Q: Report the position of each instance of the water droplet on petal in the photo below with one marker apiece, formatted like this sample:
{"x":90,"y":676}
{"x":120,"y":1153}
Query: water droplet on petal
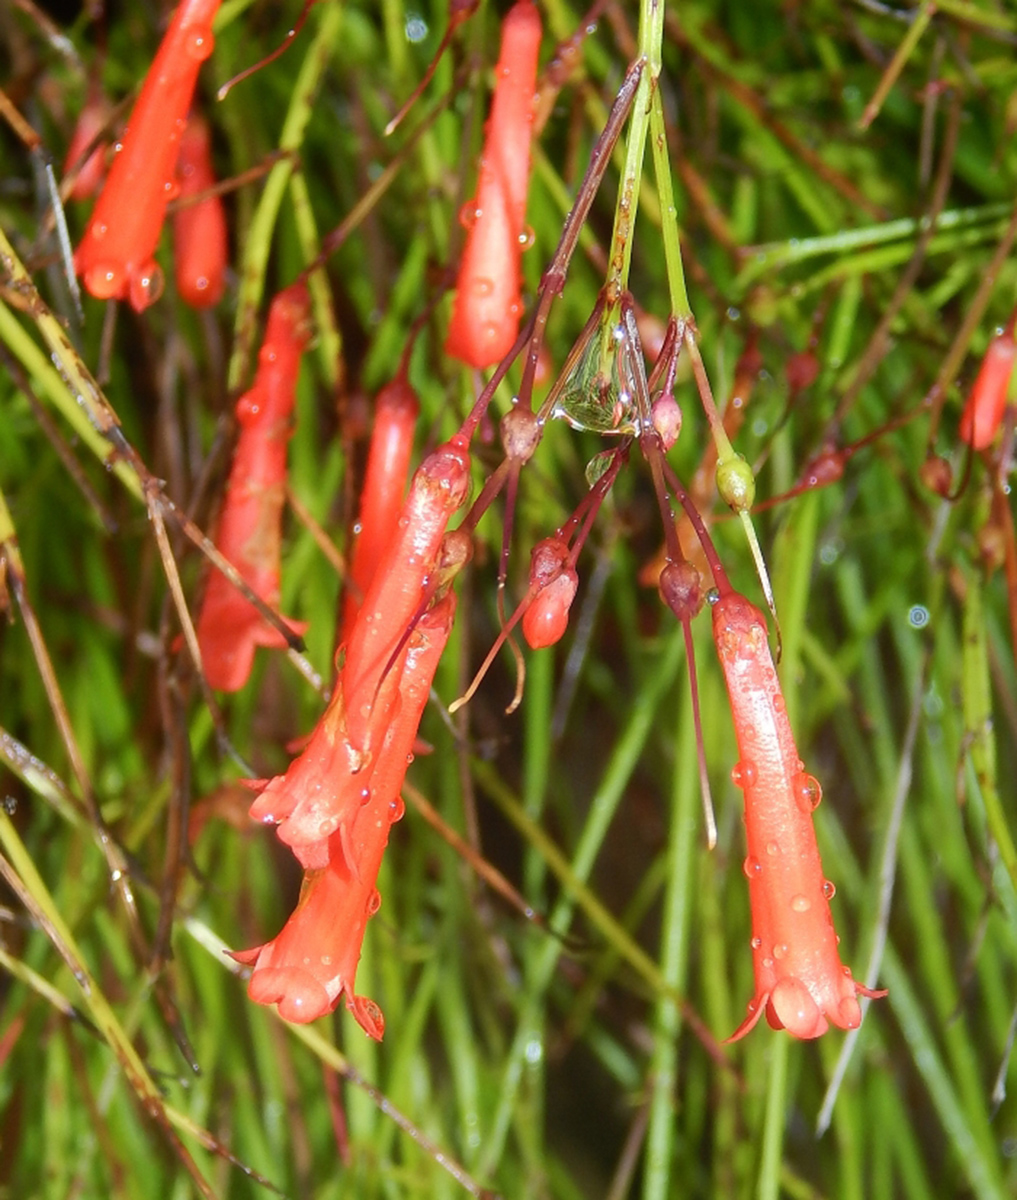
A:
{"x":396,"y":809}
{"x":146,"y":286}
{"x":199,"y":45}
{"x":829,"y":891}
{"x":482,"y":286}
{"x":772,"y":848}
{"x":800,"y":903}
{"x":752,"y":867}
{"x":808,"y":793}
{"x":743,"y":774}
{"x":756,"y":943}
{"x":373,"y":902}
{"x":780,"y":950}
{"x":468,"y":214}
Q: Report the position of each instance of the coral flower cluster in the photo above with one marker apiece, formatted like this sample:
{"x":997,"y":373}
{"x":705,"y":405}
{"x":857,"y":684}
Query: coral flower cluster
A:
{"x":335,"y":805}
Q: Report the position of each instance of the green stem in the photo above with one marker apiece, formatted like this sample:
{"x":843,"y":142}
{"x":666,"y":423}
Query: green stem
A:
{"x":258,"y":239}
{"x":680,"y":305}
{"x":651,"y":34}
{"x":768,"y":1184}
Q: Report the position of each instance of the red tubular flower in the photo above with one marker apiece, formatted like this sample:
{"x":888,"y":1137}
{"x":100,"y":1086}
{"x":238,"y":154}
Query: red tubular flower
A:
{"x":229,"y":626}
{"x":312,"y":963}
{"x":485,"y":314}
{"x":800,"y":981}
{"x":983,"y":412}
{"x":92,"y":171}
{"x":388,"y":462}
{"x":199,"y":230}
{"x":399,"y":588}
{"x":322,"y":789}
{"x":116,"y":257}
{"x":316,"y":802}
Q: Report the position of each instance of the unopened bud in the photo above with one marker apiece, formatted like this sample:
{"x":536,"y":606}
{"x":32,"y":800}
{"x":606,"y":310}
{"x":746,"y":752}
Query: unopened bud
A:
{"x":736,"y":484}
{"x":681,"y":588}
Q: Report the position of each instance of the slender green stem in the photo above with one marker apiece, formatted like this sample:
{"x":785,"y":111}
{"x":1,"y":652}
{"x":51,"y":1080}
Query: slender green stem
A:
{"x":258,"y":238}
{"x":657,"y":1171}
{"x":680,"y":305}
{"x":897,"y":63}
{"x":768,"y":1187}
{"x":651,"y":33}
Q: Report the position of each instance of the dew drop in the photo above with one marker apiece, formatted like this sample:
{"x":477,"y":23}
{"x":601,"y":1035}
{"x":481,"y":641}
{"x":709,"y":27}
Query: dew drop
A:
{"x":482,"y":286}
{"x":489,"y":331}
{"x":99,"y":230}
{"x":527,"y":237}
{"x":772,"y":848}
{"x":778,"y":703}
{"x":468,"y":214}
{"x":146,"y":287}
{"x":365,"y":795}
{"x":199,"y":46}
{"x":808,"y":793}
{"x":752,"y":867}
{"x":415,"y":28}
{"x":396,"y":809}
{"x":756,"y":943}
{"x":800,"y":903}
{"x":373,"y":903}
{"x":829,"y":891}
{"x":780,"y":950}
{"x":767,"y":962}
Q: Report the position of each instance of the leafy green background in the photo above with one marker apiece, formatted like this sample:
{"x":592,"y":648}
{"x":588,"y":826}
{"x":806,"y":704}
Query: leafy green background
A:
{"x":546,"y":1057}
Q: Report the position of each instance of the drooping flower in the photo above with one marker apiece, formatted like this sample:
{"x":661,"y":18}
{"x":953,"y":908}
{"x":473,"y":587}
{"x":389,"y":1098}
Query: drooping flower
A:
{"x":250,"y":524}
{"x":312,"y":963}
{"x":801,"y":983}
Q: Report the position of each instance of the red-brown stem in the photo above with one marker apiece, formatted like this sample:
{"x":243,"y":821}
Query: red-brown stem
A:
{"x":720,"y":578}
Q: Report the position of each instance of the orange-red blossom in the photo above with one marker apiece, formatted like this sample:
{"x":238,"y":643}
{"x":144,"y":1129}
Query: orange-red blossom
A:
{"x":312,"y":963}
{"x":116,"y":257}
{"x":250,"y":524}
{"x":336,"y":803}
{"x":801,"y":983}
